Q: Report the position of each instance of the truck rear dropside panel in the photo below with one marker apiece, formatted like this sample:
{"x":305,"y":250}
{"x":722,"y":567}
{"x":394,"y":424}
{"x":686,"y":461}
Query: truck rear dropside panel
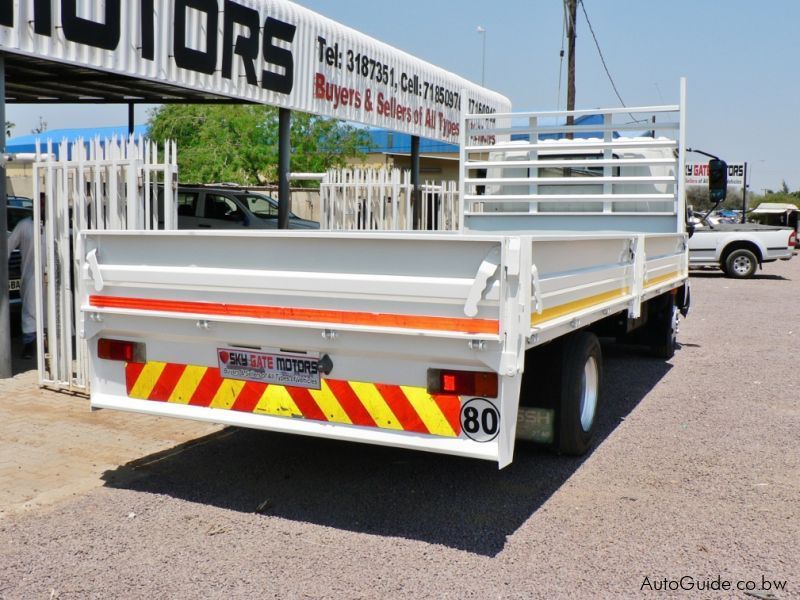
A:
{"x":378,"y":311}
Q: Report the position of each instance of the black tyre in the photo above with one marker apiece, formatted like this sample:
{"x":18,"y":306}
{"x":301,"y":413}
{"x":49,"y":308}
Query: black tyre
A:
{"x":662,"y":328}
{"x":741,"y":264}
{"x":579,"y":393}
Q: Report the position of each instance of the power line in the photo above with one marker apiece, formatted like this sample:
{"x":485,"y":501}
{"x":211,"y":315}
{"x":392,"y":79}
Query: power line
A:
{"x":602,"y":58}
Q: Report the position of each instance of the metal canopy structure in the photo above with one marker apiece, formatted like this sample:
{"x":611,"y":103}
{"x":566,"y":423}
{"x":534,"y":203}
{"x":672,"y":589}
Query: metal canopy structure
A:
{"x":42,"y":81}
{"x":272,"y":52}
{"x":205,"y":51}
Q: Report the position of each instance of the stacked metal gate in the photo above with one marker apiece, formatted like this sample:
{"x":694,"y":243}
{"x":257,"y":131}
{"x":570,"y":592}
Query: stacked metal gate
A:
{"x":97,"y":184}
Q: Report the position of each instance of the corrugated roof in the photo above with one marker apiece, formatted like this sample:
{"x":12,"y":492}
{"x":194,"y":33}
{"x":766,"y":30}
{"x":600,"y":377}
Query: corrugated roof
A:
{"x":27,"y":143}
{"x":383,"y":141}
{"x":774,"y":207}
{"x":388,"y":142}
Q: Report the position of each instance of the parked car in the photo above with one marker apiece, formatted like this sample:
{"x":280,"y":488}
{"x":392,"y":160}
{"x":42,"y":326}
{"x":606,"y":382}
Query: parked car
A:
{"x":205,"y":207}
{"x":19,"y":201}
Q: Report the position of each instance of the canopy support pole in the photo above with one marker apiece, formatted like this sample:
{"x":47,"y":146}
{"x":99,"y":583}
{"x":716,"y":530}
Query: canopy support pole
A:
{"x":5,"y":317}
{"x":130,"y":118}
{"x":284,"y":159}
{"x":415,"y":186}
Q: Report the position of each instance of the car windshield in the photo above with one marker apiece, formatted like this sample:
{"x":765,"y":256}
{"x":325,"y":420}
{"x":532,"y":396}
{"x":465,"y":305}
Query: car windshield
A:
{"x":20,"y":201}
{"x":262,"y":206}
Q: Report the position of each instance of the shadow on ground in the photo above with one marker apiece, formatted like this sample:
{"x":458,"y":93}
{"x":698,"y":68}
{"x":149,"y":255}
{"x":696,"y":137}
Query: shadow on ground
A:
{"x":721,"y":275}
{"x":19,"y":364}
{"x":460,"y":503}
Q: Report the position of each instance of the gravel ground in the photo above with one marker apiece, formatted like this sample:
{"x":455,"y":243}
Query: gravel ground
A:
{"x":697,"y":474}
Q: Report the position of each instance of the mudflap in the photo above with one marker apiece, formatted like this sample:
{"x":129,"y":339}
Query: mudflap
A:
{"x":683,"y":298}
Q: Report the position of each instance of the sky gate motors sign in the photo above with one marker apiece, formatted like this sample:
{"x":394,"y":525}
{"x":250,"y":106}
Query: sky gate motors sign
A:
{"x":697,"y":174}
{"x":270,"y":51}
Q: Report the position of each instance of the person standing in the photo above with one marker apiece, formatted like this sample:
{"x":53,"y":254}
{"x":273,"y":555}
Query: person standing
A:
{"x":23,"y":238}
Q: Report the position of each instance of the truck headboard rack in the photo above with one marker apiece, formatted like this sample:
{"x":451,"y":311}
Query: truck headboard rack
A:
{"x":612,"y":170}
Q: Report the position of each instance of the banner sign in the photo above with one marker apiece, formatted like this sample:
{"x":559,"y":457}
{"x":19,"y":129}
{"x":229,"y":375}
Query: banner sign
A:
{"x":697,"y":174}
{"x":267,"y":51}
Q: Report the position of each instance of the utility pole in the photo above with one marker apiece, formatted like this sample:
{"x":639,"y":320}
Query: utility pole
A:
{"x":572,"y":15}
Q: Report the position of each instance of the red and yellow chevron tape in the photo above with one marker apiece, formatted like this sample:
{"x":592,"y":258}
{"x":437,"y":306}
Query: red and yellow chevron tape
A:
{"x":397,"y":407}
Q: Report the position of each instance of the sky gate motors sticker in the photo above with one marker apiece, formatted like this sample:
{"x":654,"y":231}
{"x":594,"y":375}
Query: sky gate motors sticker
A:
{"x":280,"y":368}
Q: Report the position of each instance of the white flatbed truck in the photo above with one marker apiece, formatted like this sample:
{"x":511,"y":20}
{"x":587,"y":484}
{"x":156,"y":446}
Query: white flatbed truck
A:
{"x":457,"y":342}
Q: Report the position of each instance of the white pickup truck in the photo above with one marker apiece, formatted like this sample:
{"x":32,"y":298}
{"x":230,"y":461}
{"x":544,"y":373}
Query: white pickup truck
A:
{"x":739,"y":249}
{"x":456,"y":342}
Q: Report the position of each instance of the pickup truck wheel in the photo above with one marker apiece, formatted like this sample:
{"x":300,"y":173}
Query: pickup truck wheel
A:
{"x":579,"y":398}
{"x":741,"y":264}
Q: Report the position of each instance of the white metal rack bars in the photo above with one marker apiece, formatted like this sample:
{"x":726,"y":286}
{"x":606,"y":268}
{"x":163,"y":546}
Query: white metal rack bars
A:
{"x":618,"y":172}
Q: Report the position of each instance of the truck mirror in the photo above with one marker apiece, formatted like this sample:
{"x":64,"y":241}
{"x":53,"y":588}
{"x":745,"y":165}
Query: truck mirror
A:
{"x":717,"y":180}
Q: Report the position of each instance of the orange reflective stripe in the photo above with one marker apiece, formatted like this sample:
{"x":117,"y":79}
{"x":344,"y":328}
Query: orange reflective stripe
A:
{"x":343,"y":317}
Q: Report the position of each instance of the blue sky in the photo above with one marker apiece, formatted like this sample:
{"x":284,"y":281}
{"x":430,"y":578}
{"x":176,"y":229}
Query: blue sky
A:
{"x":740,"y":58}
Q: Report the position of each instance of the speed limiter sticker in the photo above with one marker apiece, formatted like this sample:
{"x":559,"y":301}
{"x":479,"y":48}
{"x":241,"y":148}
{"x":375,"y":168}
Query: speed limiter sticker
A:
{"x":480,"y":420}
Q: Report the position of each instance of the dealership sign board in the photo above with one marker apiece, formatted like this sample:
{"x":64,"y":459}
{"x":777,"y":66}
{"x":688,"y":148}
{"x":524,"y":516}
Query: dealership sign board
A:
{"x":697,"y":174}
{"x":269,"y":51}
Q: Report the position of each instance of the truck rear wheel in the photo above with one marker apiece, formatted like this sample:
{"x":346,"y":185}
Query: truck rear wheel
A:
{"x":662,"y":329}
{"x":741,"y":264}
{"x":579,"y":394}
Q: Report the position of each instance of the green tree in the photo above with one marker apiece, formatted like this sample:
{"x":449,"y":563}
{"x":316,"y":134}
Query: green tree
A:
{"x":238,"y":143}
{"x":697,"y":197}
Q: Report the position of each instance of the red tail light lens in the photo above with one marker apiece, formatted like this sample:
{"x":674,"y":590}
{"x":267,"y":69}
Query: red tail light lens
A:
{"x":462,"y":383}
{"x":793,"y":239}
{"x":122,"y":350}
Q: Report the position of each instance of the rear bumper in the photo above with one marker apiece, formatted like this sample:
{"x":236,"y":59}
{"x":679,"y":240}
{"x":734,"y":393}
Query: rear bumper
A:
{"x":773,"y":254}
{"x":337,"y":431}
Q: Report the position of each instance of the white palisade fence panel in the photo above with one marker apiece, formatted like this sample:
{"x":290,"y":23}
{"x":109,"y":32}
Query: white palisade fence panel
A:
{"x":382,"y":200}
{"x":96,"y":184}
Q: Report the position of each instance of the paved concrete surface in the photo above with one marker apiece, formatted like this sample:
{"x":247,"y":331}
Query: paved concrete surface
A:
{"x":53,"y":447}
{"x":696,"y":474}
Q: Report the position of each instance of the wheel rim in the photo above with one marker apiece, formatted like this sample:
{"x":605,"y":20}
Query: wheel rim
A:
{"x":742,"y":265}
{"x":673,"y":334}
{"x":590,"y":392}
